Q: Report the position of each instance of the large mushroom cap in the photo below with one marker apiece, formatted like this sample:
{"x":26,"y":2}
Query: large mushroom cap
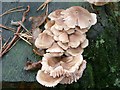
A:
{"x":77,"y":15}
{"x":44,"y":41}
{"x":46,"y":80}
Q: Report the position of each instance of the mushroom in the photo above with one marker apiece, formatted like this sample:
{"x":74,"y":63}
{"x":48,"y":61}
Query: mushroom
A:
{"x":56,"y":14}
{"x":55,"y":48}
{"x":77,"y":16}
{"x":63,"y":37}
{"x":63,"y":45}
{"x":75,"y":39}
{"x":60,"y":25}
{"x":82,"y":31}
{"x":46,"y":80}
{"x":60,"y":66}
{"x":55,"y":31}
{"x":44,"y":41}
{"x":75,"y":51}
{"x":85,"y":43}
{"x":49,"y":24}
{"x":74,"y":76}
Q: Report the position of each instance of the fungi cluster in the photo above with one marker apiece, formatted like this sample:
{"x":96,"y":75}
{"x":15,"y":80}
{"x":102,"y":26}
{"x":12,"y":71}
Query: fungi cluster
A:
{"x":64,"y":40}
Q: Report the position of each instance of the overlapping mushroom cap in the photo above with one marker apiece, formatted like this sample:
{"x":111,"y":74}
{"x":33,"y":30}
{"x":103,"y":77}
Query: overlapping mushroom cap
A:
{"x":64,"y":40}
{"x":64,"y":70}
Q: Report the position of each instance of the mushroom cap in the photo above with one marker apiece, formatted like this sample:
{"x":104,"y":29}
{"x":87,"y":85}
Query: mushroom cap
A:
{"x":55,"y":14}
{"x":46,"y":80}
{"x":85,"y":43}
{"x":55,"y":31}
{"x":55,"y":48}
{"x":75,"y":51}
{"x":63,"y":45}
{"x":77,"y":15}
{"x":60,"y":25}
{"x":63,"y":37}
{"x":82,"y":31}
{"x":44,"y":41}
{"x":74,"y":76}
{"x":49,"y":24}
{"x":60,"y":66}
{"x":75,"y":39}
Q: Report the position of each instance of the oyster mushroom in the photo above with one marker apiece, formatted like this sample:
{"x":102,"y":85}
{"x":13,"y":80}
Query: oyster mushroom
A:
{"x":44,"y":41}
{"x":75,"y":39}
{"x":60,"y":25}
{"x":63,"y":45}
{"x":85,"y":43}
{"x":75,"y":51}
{"x":63,"y":37}
{"x":60,"y":66}
{"x":77,"y":16}
{"x":56,"y":14}
{"x":74,"y":76}
{"x":49,"y":24}
{"x":46,"y":80}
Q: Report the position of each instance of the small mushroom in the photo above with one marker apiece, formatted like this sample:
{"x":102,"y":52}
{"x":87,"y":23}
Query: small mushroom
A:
{"x":63,"y":45}
{"x":55,"y":31}
{"x":75,"y":39}
{"x":85,"y":43}
{"x":48,"y":32}
{"x":44,"y":41}
{"x":56,"y":14}
{"x":63,"y":37}
{"x":46,"y":80}
{"x":60,"y":25}
{"x":75,"y":51}
{"x":49,"y":24}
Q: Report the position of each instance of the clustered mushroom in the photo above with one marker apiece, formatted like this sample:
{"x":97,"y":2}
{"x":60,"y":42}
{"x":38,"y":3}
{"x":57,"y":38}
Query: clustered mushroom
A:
{"x":64,"y":40}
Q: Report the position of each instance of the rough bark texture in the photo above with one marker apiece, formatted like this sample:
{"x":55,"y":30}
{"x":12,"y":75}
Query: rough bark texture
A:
{"x":102,"y":55}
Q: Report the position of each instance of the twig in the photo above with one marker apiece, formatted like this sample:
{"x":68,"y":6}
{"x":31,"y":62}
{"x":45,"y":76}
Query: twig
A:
{"x":24,"y":27}
{"x":7,"y":28}
{"x":5,"y":44}
{"x":18,"y":30}
{"x":24,"y":40}
{"x":33,"y":65}
{"x":12,"y":9}
{"x":40,"y":53}
{"x":44,"y":5}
